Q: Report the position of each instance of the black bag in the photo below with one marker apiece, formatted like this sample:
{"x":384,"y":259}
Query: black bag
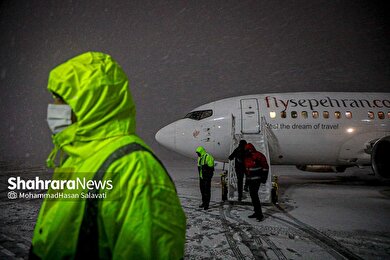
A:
{"x":263,"y":176}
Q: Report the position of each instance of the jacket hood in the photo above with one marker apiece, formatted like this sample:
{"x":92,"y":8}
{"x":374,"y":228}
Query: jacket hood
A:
{"x":250,"y":148}
{"x":242,"y":144}
{"x":200,"y":150}
{"x":97,"y":90}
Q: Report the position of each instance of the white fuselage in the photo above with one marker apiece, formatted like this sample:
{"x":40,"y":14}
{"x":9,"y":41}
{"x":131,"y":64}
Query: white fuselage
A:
{"x":305,"y":128}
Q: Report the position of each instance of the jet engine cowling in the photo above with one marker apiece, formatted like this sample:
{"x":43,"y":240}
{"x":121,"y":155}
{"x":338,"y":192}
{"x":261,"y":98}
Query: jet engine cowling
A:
{"x":380,"y":157}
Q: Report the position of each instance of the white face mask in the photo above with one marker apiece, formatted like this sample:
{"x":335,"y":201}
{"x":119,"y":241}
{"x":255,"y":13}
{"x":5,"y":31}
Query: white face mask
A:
{"x":59,"y":117}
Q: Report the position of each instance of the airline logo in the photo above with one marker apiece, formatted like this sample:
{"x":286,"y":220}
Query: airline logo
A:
{"x":312,"y":103}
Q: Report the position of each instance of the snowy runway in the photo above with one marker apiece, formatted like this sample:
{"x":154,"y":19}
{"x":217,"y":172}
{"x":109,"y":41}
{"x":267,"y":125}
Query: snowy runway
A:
{"x":320,"y":216}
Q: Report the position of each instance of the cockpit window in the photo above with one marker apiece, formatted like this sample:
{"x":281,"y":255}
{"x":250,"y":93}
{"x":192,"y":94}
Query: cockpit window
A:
{"x":199,"y":115}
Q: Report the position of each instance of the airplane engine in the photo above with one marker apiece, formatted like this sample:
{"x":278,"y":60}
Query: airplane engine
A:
{"x":380,"y":157}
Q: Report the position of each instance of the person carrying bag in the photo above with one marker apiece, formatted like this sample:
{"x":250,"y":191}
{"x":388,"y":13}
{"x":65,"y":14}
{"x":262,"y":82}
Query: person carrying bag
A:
{"x":256,"y":172}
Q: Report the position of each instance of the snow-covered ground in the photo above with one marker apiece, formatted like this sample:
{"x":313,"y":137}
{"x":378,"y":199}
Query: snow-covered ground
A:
{"x":320,"y":216}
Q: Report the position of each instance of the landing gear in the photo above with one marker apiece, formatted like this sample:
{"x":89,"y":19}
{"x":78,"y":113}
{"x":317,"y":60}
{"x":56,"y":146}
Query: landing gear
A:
{"x":224,"y":186}
{"x":275,"y":190}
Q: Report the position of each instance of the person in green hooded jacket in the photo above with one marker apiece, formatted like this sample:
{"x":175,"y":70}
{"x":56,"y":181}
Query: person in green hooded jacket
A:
{"x":206,"y":172}
{"x":137,"y":215}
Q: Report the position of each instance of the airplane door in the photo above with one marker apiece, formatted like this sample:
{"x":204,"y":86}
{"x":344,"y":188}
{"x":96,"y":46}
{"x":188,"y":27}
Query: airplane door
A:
{"x":250,"y":121}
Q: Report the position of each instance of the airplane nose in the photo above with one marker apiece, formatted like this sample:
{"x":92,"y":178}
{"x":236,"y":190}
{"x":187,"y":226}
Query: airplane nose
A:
{"x":166,"y":136}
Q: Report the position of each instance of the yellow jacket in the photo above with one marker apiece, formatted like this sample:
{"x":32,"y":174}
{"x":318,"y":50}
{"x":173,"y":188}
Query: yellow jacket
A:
{"x":141,"y":217}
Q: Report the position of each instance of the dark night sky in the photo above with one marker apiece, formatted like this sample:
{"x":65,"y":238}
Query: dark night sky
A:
{"x":181,"y":54}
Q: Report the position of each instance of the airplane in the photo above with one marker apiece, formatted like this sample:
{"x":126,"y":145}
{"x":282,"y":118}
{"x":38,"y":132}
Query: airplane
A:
{"x":311,"y":130}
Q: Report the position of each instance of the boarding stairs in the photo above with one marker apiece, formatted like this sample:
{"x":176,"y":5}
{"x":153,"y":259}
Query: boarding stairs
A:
{"x":260,"y":141}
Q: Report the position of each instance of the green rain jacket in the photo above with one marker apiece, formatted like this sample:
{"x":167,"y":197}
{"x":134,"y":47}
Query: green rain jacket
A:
{"x":205,"y":162}
{"x":142,"y":217}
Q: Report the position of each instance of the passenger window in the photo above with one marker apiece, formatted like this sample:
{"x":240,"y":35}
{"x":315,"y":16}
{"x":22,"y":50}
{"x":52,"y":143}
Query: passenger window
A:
{"x":304,"y":114}
{"x":348,"y":114}
{"x":315,"y":114}
{"x":272,"y":114}
{"x":371,"y":115}
{"x":337,"y":114}
{"x":283,"y":114}
{"x":325,"y":114}
{"x":294,"y":114}
{"x":381,"y":115}
{"x":388,"y":115}
{"x":199,"y":115}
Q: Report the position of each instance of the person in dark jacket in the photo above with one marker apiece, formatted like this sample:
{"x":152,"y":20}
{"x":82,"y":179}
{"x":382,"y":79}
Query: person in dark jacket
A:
{"x":257,"y":172}
{"x":239,"y":156}
{"x":206,"y":172}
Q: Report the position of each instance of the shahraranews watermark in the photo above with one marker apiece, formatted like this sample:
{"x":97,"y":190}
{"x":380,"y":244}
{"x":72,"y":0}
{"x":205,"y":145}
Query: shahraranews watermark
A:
{"x":58,"y":195}
{"x":38,"y":184}
{"x":78,"y":188}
